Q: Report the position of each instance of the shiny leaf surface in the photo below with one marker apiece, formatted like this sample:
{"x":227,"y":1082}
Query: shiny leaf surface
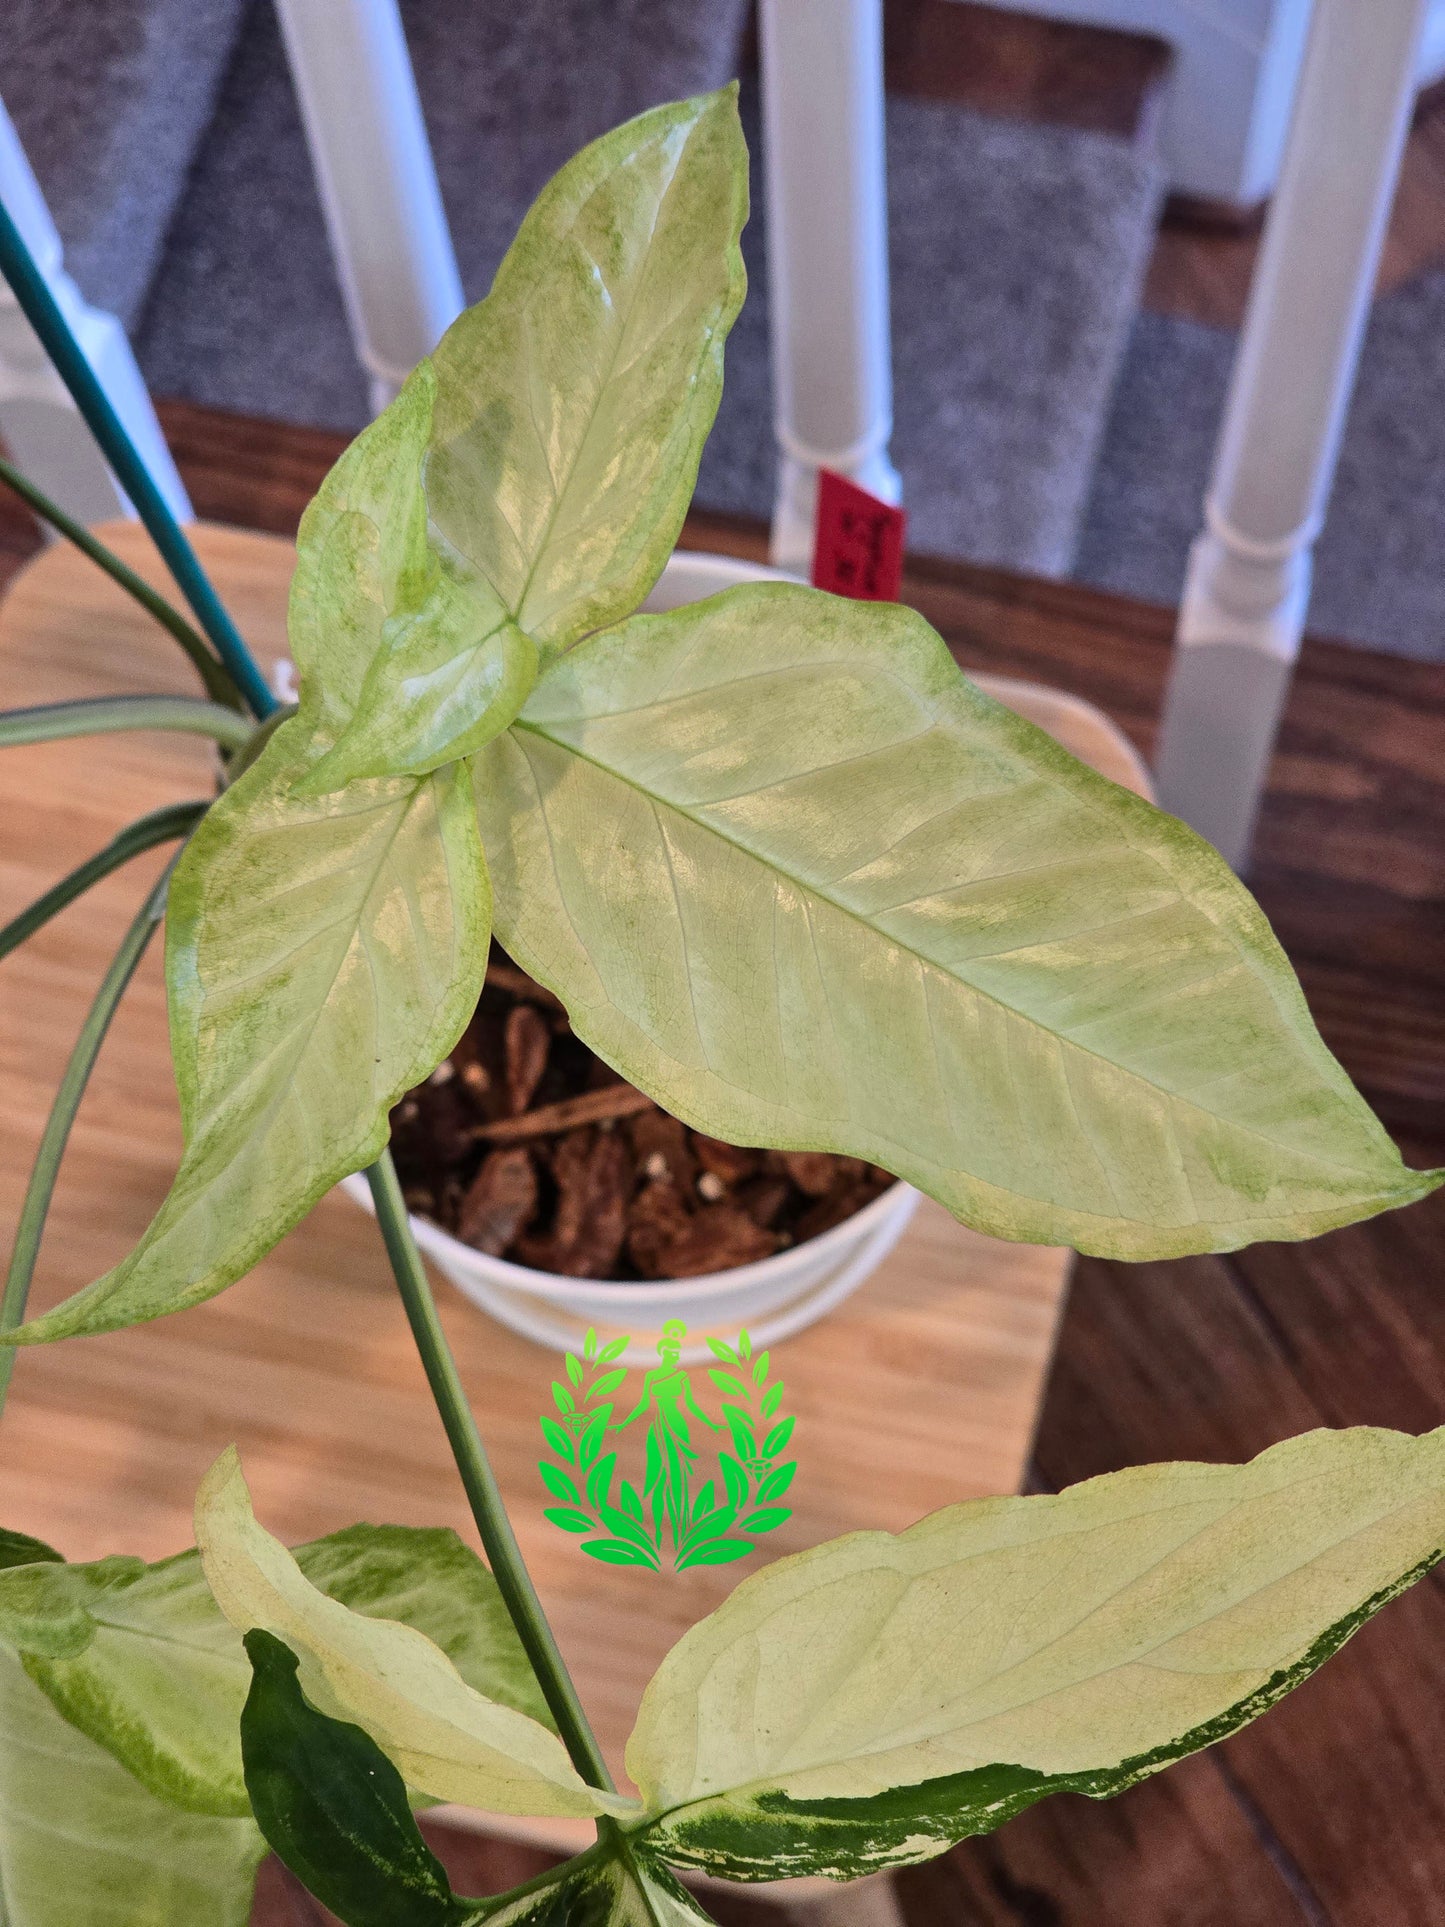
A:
{"x":799,"y":880}
{"x":530,"y":479}
{"x":334,"y":1808}
{"x":572,"y":404}
{"x":379,"y":596}
{"x":322,"y":956}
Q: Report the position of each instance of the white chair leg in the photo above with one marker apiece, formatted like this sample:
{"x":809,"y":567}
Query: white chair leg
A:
{"x":822,"y":73}
{"x":1248,"y":583}
{"x":374,"y":170}
{"x":41,"y":426}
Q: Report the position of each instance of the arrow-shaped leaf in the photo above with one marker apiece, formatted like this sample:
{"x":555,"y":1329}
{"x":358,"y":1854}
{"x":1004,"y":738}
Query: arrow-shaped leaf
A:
{"x":531,"y":478}
{"x":799,"y":880}
{"x":322,"y":955}
{"x":572,"y":404}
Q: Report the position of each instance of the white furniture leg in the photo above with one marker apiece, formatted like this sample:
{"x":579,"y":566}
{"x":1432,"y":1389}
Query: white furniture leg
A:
{"x":41,"y":426}
{"x":822,"y":72}
{"x":1248,"y":583}
{"x":374,"y":170}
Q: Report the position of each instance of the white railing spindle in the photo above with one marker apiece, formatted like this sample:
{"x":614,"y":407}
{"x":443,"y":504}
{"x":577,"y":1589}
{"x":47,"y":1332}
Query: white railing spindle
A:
{"x":1248,"y":584}
{"x":41,"y":425}
{"x":823,"y":139}
{"x":377,"y":180}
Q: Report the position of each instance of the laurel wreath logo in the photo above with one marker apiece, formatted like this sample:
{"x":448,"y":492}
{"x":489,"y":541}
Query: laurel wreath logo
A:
{"x":672,"y":1518}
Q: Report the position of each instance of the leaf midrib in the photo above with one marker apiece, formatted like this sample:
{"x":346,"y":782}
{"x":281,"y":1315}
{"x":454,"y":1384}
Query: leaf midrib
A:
{"x":692,"y":816}
{"x":559,"y":494}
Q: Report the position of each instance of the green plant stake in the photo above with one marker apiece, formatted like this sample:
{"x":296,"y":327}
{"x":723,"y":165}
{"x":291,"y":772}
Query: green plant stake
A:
{"x":800,"y":881}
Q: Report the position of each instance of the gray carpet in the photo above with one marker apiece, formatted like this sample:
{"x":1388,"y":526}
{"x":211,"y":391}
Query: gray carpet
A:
{"x":1380,"y":563}
{"x":1017,"y":255}
{"x":110,"y":98}
{"x":246,"y":314}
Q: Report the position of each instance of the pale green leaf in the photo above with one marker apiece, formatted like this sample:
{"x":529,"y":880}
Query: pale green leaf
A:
{"x":797,"y":878}
{"x":875,"y":1698}
{"x":427,"y":1578}
{"x":81,"y":1841}
{"x":530,"y":479}
{"x":322,"y":956}
{"x":139,"y":1659}
{"x":142,"y":1660}
{"x":42,"y":1608}
{"x":572,"y":404}
{"x":445,"y":1738}
{"x":427,"y":661}
{"x":360,"y":552}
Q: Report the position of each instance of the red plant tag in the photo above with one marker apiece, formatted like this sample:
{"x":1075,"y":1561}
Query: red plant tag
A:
{"x":858,"y":543}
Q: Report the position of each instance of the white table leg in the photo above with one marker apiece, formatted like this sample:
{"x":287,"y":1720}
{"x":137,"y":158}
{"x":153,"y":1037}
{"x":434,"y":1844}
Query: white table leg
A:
{"x":41,"y":426}
{"x":1248,"y":583}
{"x":822,"y":72}
{"x":378,"y":185}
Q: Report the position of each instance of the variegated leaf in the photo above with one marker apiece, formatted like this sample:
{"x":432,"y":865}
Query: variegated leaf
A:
{"x":870,"y":1701}
{"x":322,"y":955}
{"x":447,"y":1739}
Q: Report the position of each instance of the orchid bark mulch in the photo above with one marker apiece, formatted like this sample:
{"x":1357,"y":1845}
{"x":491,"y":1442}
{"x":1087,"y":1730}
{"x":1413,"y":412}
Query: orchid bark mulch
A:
{"x":525,"y":1145}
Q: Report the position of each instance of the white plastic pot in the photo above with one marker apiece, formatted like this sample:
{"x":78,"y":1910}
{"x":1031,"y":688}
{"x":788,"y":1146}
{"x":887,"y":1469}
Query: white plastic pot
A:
{"x":772,"y":1298}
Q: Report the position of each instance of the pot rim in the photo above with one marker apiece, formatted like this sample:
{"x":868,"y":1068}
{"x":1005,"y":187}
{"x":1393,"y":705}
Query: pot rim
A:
{"x":609,"y":1295}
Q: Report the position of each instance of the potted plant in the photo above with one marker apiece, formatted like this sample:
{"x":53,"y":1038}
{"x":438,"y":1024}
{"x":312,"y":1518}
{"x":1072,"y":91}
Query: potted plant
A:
{"x":561,"y":1198}
{"x":797,"y":879}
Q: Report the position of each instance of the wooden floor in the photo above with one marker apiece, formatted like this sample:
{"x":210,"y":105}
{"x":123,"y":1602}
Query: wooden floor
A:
{"x":1332,"y":1808}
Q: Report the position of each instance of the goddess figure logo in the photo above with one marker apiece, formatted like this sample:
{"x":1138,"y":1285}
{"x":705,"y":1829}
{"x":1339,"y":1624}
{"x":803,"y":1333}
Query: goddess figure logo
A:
{"x":672,"y":1518}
